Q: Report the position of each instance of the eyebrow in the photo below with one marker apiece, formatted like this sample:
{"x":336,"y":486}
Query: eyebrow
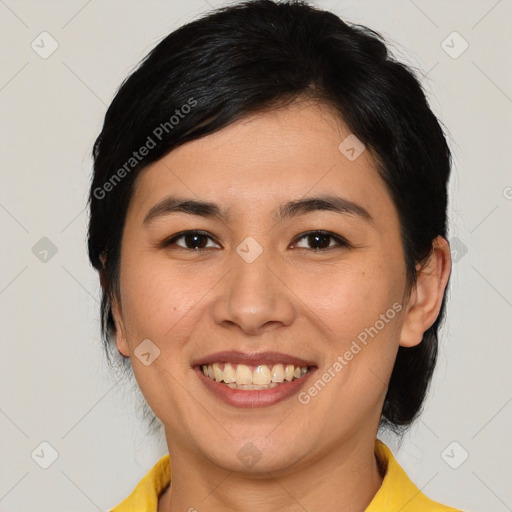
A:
{"x":333,"y":203}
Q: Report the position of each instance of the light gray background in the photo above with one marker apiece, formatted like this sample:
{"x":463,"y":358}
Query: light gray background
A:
{"x":54,"y":383}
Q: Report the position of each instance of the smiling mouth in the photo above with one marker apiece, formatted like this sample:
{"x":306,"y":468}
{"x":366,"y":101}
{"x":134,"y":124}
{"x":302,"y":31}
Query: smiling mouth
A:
{"x":244,"y":377}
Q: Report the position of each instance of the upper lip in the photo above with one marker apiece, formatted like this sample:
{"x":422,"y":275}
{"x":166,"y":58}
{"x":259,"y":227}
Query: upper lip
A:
{"x":251,"y":358}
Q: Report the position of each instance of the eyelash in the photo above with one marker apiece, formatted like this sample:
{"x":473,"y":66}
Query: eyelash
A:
{"x":341,"y":242}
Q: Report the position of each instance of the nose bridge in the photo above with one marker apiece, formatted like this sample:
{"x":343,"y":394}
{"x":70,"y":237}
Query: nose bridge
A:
{"x":252,"y":275}
{"x":253,"y":297}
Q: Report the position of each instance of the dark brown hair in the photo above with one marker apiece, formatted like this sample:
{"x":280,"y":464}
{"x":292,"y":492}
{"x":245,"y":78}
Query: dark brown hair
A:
{"x":254,"y":56}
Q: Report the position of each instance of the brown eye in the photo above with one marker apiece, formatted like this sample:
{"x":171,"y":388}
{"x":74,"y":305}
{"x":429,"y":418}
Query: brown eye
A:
{"x":192,"y":240}
{"x":321,"y":241}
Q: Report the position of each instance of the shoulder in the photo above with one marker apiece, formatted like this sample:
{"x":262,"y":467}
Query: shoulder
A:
{"x":397,"y":491}
{"x":144,"y":497}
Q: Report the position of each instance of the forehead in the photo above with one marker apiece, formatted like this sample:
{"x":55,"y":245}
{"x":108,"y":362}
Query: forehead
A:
{"x":265,"y":159}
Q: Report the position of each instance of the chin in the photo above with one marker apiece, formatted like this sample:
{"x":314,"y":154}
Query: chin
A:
{"x":254,"y":454}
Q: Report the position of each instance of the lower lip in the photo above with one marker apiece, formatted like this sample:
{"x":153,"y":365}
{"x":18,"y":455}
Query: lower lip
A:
{"x":254,"y":397}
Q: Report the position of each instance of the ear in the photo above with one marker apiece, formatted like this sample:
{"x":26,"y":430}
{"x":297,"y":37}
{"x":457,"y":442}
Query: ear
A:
{"x":102,"y":272}
{"x":122,"y":345}
{"x":427,"y":294}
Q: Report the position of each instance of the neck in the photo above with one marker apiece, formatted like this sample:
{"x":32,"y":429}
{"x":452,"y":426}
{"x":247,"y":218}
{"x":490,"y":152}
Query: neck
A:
{"x":348,"y":477}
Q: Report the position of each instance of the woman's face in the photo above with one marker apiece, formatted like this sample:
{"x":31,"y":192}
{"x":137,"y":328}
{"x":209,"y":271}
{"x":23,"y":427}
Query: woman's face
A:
{"x":259,"y":296}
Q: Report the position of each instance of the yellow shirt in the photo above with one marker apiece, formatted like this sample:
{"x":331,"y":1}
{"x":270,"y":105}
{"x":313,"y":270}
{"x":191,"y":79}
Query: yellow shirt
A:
{"x":397,"y":492}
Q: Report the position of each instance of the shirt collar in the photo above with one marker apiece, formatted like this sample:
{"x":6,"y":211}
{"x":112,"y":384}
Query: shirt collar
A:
{"x":397,"y":492}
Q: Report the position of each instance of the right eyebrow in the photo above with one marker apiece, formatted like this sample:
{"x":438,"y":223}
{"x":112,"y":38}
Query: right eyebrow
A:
{"x":173,"y":204}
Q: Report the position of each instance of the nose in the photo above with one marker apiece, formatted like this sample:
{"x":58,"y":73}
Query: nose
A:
{"x":254,"y":297}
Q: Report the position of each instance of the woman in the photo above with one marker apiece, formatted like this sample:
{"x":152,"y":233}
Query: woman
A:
{"x":268,"y":218}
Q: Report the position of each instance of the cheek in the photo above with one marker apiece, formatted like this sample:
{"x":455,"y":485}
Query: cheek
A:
{"x":349,"y":299}
{"x":161,"y":301}
{"x":167,"y":301}
{"x":359,"y":308}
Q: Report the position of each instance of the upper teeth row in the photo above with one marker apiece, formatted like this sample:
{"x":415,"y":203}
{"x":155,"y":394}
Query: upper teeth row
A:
{"x":262,"y":374}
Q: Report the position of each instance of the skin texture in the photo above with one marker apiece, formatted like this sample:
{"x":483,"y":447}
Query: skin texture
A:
{"x":293,"y":299}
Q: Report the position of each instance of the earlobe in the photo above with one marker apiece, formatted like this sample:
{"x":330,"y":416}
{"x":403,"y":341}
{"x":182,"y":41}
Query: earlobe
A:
{"x":121,"y":343}
{"x":427,"y":294}
{"x":103,"y":272}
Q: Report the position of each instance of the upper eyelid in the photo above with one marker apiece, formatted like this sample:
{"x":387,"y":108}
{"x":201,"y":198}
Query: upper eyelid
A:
{"x":339,"y":238}
{"x":177,"y":236}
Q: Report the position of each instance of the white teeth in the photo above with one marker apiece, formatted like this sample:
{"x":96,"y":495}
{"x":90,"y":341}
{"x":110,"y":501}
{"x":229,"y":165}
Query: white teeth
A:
{"x":243,"y":374}
{"x":261,"y":375}
{"x":278,"y":373}
{"x":252,"y":386}
{"x":217,"y":372}
{"x":241,"y":377}
{"x":229,"y":373}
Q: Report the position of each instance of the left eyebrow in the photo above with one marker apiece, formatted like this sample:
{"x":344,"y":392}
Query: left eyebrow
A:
{"x":324,"y":202}
{"x":337,"y":204}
